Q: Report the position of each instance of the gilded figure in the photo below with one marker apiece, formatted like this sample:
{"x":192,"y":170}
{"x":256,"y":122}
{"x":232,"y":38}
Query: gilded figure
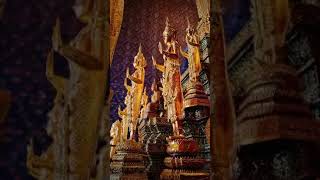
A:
{"x":171,"y":79}
{"x":193,"y":54}
{"x":137,"y":86}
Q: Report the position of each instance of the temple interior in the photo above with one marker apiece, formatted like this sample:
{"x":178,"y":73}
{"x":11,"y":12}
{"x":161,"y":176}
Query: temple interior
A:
{"x":160,"y":89}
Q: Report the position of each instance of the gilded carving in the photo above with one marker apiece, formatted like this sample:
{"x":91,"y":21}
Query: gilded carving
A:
{"x":136,"y":92}
{"x":116,"y":17}
{"x":144,"y":103}
{"x":171,"y":81}
{"x":76,"y":117}
{"x":193,"y":54}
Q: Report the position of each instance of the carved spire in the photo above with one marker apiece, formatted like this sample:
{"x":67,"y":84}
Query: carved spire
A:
{"x":56,"y":36}
{"x":140,"y":48}
{"x":189,"y":25}
{"x":139,"y":59}
{"x":168,"y":30}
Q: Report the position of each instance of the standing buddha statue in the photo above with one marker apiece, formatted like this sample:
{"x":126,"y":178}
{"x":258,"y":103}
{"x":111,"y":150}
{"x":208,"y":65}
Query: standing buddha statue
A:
{"x":137,"y":80}
{"x":193,"y":54}
{"x":171,"y":80}
{"x":154,"y":108}
{"x":144,"y":103}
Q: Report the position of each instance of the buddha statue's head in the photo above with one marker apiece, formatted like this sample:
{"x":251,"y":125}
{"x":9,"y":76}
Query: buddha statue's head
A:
{"x":139,"y":59}
{"x":191,"y":34}
{"x":169,"y":33}
{"x":115,"y":132}
{"x":145,"y":97}
{"x":189,"y":29}
{"x":155,"y":96}
{"x":83,"y":10}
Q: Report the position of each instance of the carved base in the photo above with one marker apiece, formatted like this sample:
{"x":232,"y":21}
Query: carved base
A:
{"x":277,"y":127}
{"x":195,"y":95}
{"x":183,"y":162}
{"x":169,"y":174}
{"x":196,"y":118}
{"x":181,"y":146}
{"x":274,"y":108}
{"x":156,"y":146}
{"x":128,"y":162}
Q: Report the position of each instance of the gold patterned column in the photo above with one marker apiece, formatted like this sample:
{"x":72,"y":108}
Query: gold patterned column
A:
{"x":116,"y":16}
{"x":203,"y":7}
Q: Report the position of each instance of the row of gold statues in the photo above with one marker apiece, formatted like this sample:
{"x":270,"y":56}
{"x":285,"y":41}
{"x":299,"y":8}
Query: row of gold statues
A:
{"x":136,"y":100}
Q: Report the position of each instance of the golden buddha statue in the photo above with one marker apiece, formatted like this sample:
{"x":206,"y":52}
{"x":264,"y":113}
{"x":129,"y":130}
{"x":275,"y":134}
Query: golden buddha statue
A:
{"x":115,"y":134}
{"x":144,"y":103}
{"x":80,"y":99}
{"x":154,"y":107}
{"x":156,"y":94}
{"x":171,"y":81}
{"x":42,"y":166}
{"x":125,"y":123}
{"x":193,"y":55}
{"x":137,"y":80}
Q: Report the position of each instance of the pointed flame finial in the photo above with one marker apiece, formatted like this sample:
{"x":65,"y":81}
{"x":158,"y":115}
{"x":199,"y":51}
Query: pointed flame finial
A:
{"x":167,"y":21}
{"x":140,"y":48}
{"x":189,"y":26}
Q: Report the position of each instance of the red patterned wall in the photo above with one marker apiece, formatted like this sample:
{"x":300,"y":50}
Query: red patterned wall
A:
{"x":144,"y":22}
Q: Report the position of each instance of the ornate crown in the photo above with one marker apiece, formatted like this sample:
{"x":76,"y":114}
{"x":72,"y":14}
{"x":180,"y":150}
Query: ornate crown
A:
{"x":169,"y":30}
{"x":139,"y":58}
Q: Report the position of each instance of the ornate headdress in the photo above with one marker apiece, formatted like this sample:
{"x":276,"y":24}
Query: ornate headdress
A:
{"x":139,"y":59}
{"x":169,"y":30}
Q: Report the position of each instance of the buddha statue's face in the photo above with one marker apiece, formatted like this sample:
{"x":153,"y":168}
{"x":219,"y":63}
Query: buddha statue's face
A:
{"x":165,"y":38}
{"x":115,"y":130}
{"x":139,"y":62}
{"x":78,"y":7}
{"x":82,"y":9}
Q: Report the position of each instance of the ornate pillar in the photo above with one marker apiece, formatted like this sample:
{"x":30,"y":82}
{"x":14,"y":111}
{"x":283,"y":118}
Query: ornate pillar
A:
{"x":116,"y":17}
{"x":274,"y":112}
{"x":222,"y":113}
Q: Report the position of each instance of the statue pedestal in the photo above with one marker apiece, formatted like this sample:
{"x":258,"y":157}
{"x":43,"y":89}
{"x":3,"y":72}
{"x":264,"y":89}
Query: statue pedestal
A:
{"x":274,"y":116}
{"x":183,"y":163}
{"x":154,"y":131}
{"x":128,"y":162}
{"x":197,"y":112}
